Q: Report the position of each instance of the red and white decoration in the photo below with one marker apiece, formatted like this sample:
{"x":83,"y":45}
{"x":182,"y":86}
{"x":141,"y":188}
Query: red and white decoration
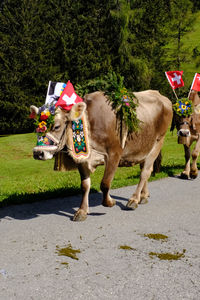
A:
{"x":196,"y":83}
{"x":68,"y":97}
{"x":175,"y":79}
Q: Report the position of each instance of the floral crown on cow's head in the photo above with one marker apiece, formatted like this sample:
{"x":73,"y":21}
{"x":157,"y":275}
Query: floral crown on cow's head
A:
{"x":44,"y":119}
{"x":183,"y":107}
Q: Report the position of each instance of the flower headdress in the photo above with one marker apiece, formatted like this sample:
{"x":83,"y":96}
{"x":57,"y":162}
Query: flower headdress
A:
{"x":183,"y":107}
{"x":44,"y":119}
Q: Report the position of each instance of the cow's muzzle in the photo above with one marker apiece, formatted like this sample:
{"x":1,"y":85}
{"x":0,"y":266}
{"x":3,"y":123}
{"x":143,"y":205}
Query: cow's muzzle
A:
{"x":42,"y":154}
{"x":46,"y":147}
{"x":184,"y":132}
{"x":38,"y":155}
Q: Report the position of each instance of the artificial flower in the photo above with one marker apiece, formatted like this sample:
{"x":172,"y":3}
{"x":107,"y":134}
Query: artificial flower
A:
{"x":44,"y":119}
{"x":41,"y":129}
{"x":32,"y":115}
{"x":183,"y":107}
{"x":41,"y":124}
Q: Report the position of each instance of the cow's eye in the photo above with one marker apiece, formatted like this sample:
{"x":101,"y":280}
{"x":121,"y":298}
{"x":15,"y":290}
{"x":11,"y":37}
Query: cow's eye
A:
{"x":57,"y":127}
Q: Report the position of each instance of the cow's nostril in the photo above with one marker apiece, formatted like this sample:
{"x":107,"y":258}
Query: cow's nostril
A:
{"x":38,"y":155}
{"x":41,"y":155}
{"x":184,"y":133}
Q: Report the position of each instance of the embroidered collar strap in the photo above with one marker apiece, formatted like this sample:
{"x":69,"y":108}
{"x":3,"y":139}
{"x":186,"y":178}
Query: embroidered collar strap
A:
{"x":78,"y":140}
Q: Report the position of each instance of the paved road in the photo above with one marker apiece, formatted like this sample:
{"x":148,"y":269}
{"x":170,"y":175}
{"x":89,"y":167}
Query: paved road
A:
{"x":31,"y":236}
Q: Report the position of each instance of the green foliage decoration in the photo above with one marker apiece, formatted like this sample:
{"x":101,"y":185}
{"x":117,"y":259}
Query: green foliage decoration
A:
{"x":123,"y":101}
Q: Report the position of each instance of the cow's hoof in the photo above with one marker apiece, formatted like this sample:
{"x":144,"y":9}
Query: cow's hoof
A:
{"x":193,"y":175}
{"x":144,"y":201}
{"x":132,"y":204}
{"x":80,"y":215}
{"x":184,"y":176}
{"x":109,"y":203}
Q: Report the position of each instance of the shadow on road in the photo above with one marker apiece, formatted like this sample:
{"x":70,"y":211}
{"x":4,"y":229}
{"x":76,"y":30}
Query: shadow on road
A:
{"x":61,"y":201}
{"x":66,"y":206}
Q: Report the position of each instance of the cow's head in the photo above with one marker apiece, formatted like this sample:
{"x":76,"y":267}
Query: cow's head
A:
{"x":186,"y":117}
{"x":54,"y":138}
{"x":183,"y":125}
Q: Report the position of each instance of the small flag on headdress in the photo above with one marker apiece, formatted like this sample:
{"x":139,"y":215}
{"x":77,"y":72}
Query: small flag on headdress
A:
{"x":196,"y":83}
{"x":68,"y":97}
{"x":175,"y":79}
{"x":54,"y":92}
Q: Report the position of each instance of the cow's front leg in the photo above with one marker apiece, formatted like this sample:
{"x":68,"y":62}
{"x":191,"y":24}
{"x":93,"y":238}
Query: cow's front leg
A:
{"x":82,"y":212}
{"x":112,"y":162}
{"x":186,"y":173}
{"x":195,"y":154}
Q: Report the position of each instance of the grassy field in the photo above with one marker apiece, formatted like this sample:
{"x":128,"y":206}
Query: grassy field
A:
{"x":23,"y":179}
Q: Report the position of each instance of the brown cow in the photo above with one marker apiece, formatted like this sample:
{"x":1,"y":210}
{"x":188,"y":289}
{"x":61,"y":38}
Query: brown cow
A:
{"x":155,"y":114}
{"x":188,"y":131}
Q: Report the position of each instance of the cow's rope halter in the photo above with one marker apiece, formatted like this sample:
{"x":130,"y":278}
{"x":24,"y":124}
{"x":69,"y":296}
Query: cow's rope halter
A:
{"x":185,"y":123}
{"x":61,"y":145}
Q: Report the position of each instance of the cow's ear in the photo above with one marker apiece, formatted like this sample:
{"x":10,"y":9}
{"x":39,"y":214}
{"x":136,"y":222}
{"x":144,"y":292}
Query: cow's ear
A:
{"x":34,"y":111}
{"x":197,"y":109}
{"x":77,"y":111}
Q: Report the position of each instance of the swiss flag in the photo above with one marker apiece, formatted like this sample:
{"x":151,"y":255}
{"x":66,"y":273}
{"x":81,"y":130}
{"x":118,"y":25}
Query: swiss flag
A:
{"x":175,"y":79}
{"x":196,"y":82}
{"x":68,"y":97}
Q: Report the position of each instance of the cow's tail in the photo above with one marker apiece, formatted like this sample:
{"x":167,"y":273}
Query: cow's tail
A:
{"x":157,"y":164}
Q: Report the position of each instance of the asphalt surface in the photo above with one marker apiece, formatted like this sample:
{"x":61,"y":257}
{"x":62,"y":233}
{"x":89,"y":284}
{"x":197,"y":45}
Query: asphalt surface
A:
{"x":31,"y":236}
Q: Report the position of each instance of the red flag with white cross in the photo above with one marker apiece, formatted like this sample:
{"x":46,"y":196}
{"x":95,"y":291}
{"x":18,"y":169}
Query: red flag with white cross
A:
{"x":196,"y":82}
{"x":68,"y":97}
{"x":175,"y":79}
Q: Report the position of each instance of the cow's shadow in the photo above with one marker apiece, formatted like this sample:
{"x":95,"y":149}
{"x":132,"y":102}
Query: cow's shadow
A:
{"x":63,"y":206}
{"x":27,"y":206}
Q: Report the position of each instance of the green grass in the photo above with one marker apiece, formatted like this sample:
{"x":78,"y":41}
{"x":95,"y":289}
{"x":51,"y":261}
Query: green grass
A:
{"x":23,"y":179}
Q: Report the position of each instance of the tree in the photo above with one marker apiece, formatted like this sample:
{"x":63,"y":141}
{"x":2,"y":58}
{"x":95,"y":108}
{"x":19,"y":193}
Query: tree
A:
{"x":181,"y":21}
{"x":196,"y":5}
{"x":126,"y":59}
{"x":48,"y":40}
{"x":143,"y":27}
{"x":25,"y":66}
{"x":63,"y":40}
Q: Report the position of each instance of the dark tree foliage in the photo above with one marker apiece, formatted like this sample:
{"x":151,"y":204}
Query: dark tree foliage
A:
{"x":196,"y":5}
{"x":48,"y":40}
{"x":63,"y":40}
{"x":26,"y":63}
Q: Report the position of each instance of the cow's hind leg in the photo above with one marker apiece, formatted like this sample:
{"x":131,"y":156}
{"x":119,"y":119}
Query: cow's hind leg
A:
{"x":141,"y":194}
{"x":145,"y":191}
{"x":82,"y":212}
{"x":112,"y":162}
